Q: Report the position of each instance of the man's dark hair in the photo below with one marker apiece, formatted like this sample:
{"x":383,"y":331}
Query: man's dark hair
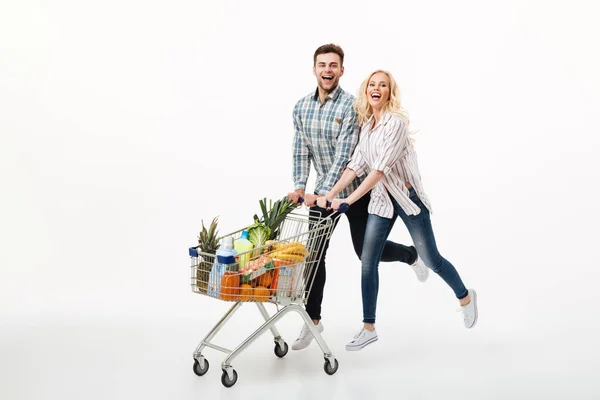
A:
{"x":329,"y":48}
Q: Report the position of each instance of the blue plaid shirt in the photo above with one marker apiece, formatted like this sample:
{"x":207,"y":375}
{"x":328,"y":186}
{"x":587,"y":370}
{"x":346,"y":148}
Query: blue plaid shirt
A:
{"x":326,"y":135}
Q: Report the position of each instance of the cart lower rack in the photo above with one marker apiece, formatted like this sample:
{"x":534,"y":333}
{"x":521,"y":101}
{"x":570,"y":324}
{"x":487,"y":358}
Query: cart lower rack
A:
{"x":280,"y":272}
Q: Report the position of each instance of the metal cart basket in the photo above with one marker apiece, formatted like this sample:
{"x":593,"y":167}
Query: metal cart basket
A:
{"x":280,"y":272}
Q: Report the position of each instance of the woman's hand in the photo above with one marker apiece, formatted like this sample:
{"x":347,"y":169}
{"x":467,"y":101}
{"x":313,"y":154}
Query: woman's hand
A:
{"x":336,"y":203}
{"x":322,"y":201}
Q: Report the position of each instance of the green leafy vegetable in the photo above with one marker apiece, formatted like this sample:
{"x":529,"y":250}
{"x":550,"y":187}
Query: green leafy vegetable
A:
{"x":275,"y":215}
{"x":258,"y":233}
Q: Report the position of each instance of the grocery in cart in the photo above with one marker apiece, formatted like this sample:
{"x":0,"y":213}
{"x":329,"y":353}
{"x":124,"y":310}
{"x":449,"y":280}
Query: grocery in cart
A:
{"x":278,"y":267}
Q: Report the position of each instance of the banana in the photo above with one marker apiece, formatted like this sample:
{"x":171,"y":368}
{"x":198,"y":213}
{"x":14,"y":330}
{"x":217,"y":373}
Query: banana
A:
{"x":287,"y":257}
{"x":298,"y":251}
{"x":283,"y":245}
{"x":291,"y":248}
{"x":268,"y":246}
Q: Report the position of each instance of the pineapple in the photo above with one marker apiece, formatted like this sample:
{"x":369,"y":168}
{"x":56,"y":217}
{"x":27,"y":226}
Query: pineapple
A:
{"x":208,"y":242}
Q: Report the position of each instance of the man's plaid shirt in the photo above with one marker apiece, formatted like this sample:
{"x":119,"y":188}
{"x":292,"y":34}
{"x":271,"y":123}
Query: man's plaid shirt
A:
{"x":326,"y":134}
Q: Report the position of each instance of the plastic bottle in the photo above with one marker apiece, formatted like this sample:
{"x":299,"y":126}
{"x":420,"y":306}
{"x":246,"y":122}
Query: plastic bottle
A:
{"x":242,"y":245}
{"x":224,"y":257}
{"x":226,"y":253}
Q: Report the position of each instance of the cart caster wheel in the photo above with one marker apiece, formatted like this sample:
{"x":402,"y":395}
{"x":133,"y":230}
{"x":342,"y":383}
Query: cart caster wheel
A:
{"x":228,"y":382}
{"x":281,"y":351}
{"x":331,"y":369}
{"x":199,"y":370}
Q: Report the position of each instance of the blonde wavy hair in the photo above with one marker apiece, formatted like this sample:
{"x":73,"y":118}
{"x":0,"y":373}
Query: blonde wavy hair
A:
{"x":363,"y":109}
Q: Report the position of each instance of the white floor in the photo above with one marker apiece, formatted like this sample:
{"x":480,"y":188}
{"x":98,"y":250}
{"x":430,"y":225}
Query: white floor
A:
{"x":123,"y":358}
{"x":128,"y":329}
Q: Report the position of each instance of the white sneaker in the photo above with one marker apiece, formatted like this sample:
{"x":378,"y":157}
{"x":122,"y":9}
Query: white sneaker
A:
{"x":420,"y":269}
{"x":364,"y":338}
{"x":470,"y":310}
{"x":306,"y":337}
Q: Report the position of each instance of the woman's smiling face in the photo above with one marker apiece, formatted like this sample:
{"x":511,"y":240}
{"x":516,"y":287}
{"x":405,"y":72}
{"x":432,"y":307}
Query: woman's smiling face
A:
{"x":378,"y":90}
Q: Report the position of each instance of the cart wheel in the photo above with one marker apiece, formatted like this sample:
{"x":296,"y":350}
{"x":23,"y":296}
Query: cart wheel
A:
{"x":226,"y":381}
{"x":279,"y":351}
{"x":199,"y":370}
{"x":331,"y":369}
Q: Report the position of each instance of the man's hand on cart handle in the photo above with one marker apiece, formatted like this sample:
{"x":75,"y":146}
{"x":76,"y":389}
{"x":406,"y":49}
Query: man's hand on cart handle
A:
{"x":296,"y":196}
{"x":310,"y":200}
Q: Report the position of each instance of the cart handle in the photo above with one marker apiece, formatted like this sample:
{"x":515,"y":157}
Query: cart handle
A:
{"x":343,"y":208}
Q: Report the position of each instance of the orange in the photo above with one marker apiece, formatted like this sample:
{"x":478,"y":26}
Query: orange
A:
{"x":261,"y":293}
{"x":246,"y":292}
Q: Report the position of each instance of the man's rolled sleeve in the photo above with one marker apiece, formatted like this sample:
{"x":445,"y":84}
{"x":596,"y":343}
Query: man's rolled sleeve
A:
{"x":301,"y":156}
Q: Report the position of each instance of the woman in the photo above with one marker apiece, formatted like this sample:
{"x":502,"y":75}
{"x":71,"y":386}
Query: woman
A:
{"x":386,"y":154}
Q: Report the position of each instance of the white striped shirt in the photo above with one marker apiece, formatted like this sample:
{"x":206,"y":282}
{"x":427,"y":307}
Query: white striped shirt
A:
{"x":386,"y":148}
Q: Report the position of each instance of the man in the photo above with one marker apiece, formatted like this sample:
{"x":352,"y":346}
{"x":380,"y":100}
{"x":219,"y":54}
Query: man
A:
{"x":326,"y":133}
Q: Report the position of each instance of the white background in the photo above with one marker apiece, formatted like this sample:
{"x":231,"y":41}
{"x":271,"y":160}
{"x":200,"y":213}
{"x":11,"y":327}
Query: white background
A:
{"x":125,"y":123}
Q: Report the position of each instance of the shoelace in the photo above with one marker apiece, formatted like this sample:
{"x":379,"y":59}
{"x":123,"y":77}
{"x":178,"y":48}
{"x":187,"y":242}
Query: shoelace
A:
{"x":464,"y":312}
{"x":304,"y":332}
{"x":359,"y":334}
{"x":418,"y":268}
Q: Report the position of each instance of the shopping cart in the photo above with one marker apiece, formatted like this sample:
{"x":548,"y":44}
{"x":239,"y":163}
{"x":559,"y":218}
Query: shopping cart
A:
{"x":281,"y":273}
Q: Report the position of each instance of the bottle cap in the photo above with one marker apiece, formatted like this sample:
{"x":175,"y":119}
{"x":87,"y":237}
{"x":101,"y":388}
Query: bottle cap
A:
{"x":228,"y":242}
{"x":244,"y":234}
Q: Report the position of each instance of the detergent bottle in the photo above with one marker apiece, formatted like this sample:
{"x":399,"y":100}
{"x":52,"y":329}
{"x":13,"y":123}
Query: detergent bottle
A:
{"x":242,"y":245}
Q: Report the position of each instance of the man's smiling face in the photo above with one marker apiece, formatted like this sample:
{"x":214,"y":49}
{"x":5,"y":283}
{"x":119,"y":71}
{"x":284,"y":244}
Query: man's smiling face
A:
{"x":328,"y":71}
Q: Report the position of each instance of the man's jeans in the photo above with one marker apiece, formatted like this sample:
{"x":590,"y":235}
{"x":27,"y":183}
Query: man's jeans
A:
{"x":419,"y":227}
{"x":357,"y":216}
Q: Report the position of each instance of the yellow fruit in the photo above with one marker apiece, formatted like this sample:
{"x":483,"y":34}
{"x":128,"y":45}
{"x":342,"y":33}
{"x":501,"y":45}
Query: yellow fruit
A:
{"x":287,"y":257}
{"x":290,"y":246}
{"x":296,"y":251}
{"x":268,"y":246}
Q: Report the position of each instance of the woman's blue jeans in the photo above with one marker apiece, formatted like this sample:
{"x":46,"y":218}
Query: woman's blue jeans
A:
{"x":419,"y":227}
